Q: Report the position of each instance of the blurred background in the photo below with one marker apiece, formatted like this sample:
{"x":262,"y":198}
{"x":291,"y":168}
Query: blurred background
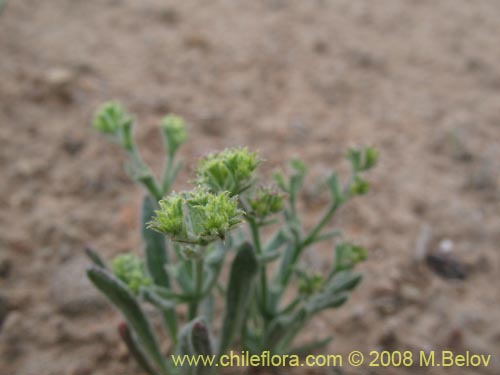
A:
{"x":420,"y":80}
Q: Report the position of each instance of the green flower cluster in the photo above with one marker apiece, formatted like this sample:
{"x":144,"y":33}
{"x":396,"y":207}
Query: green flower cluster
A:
{"x":309,"y":284}
{"x":362,"y":159}
{"x":174,"y":132}
{"x":230,"y":170}
{"x":359,"y":186}
{"x":197,"y":217}
{"x":112,"y":120}
{"x":130,"y":269}
{"x":348,"y":255}
{"x":265,"y":202}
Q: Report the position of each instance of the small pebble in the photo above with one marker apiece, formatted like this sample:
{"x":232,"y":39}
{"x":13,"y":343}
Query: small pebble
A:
{"x":446,"y":246}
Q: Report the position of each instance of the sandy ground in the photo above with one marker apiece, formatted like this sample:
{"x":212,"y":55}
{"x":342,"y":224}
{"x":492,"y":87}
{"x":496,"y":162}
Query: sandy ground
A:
{"x":418,"y":79}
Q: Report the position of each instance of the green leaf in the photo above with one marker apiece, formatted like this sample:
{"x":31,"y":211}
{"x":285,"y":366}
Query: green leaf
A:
{"x":269,"y":257}
{"x":335,"y":292}
{"x":343,"y":281}
{"x":326,"y":301}
{"x":194,"y":340}
{"x":207,"y":307}
{"x":334,"y":186}
{"x":354,"y":156}
{"x":214,"y":262}
{"x":155,"y":248}
{"x":167,"y":294}
{"x":119,"y":294}
{"x":241,"y":278}
{"x":279,"y":239}
{"x":163,"y":304}
{"x":94,"y":257}
{"x":202,"y":345}
{"x":298,"y":167}
{"x":170,"y":174}
{"x":280,"y":181}
{"x":250,"y":341}
{"x":185,"y":347}
{"x":155,"y":253}
{"x":283,"y":329}
{"x":326,"y":236}
{"x":134,"y":349}
{"x":298,"y":172}
{"x":291,"y":306}
{"x":215,"y":255}
{"x":181,"y":271}
{"x":282,"y":276}
{"x":286,"y":264}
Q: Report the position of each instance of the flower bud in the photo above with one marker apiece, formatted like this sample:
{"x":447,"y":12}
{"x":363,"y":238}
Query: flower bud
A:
{"x":362,"y":159}
{"x":266,"y":202}
{"x":174,"y":132}
{"x":348,"y":255}
{"x":359,"y":186}
{"x":230,"y":170}
{"x":197,"y":217}
{"x":130,"y":269}
{"x":371,"y":157}
{"x":293,"y":184}
{"x":310,"y":284}
{"x":111,"y":119}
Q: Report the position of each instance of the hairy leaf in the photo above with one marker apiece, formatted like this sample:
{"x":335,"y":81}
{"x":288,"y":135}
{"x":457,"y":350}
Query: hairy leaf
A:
{"x":119,"y":294}
{"x":243,"y":272}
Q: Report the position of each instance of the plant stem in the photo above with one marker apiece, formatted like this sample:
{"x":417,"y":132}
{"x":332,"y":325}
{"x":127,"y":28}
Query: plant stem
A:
{"x":311,"y":237}
{"x":300,"y":246}
{"x":329,"y":213}
{"x":148,"y":182}
{"x":198,"y":277}
{"x":254,"y":228}
{"x":324,"y":220}
{"x":152,"y":188}
{"x":167,"y":173}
